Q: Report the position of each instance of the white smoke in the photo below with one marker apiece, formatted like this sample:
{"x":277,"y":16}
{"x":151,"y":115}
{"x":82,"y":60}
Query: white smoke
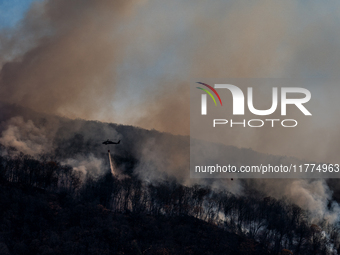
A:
{"x":313,"y":195}
{"x":86,"y":164}
{"x":24,"y":136}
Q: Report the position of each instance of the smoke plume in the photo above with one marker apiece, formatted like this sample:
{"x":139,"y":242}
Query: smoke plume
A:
{"x":25,"y":137}
{"x":131,"y":62}
{"x":71,"y":66}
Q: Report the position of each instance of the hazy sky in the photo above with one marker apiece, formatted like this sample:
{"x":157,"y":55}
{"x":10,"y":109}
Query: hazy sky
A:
{"x":11,"y":12}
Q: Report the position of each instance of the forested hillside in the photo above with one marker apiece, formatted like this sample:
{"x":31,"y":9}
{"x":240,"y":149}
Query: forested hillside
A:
{"x":47,"y":208}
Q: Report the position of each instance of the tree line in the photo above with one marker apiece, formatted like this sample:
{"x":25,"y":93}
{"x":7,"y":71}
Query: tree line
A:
{"x":277,"y":224}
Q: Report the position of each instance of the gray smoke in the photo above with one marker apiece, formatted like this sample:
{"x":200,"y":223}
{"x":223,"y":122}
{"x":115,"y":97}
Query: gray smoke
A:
{"x":25,"y":137}
{"x":129,"y":61}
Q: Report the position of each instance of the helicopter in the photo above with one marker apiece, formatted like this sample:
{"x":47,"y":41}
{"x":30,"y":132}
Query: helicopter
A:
{"x":110,"y":142}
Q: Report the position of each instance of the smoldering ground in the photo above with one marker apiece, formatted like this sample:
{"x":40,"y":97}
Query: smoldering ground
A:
{"x":131,"y":62}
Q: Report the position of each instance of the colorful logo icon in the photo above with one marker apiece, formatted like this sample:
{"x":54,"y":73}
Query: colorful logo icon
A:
{"x":208,"y":92}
